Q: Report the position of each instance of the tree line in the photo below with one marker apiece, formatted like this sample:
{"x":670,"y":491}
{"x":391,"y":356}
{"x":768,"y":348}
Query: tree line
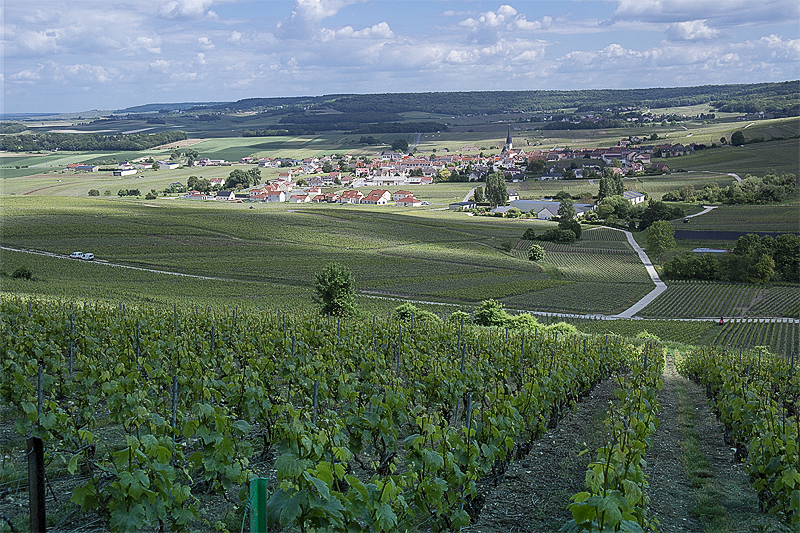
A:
{"x":35,"y":142}
{"x":754,"y":259}
{"x":766,"y":189}
{"x":769,"y":97}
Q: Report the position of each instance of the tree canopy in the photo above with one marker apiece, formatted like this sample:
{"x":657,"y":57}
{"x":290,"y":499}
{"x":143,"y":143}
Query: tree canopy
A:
{"x":495,"y":190}
{"x":661,"y":238}
{"x":334,"y":289}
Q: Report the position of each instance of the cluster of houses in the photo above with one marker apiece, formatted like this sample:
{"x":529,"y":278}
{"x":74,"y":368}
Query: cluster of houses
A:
{"x":285,"y":192}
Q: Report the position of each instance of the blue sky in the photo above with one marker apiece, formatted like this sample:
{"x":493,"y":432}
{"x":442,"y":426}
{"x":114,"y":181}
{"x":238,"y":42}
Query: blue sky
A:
{"x":80,"y":55}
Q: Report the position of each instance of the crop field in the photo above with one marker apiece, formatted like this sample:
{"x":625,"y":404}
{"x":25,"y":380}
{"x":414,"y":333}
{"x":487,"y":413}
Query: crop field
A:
{"x":683,"y":332}
{"x":772,"y":218}
{"x":757,"y":159}
{"x":685,"y":299}
{"x":441,"y":256}
{"x":782,"y":338}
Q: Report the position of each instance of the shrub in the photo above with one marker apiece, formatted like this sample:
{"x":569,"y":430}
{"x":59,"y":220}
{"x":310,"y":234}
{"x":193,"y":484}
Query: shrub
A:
{"x":524,"y":321}
{"x":536,"y":253}
{"x":459,"y":317}
{"x":94,"y":192}
{"x":491,"y":313}
{"x":22,"y":272}
{"x":563,"y":328}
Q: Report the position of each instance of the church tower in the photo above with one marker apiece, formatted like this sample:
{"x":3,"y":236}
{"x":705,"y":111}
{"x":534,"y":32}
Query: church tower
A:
{"x":509,"y":146}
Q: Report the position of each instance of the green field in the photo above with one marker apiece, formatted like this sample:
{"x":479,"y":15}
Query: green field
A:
{"x":266,"y":256}
{"x":769,"y":218}
{"x":427,"y":255}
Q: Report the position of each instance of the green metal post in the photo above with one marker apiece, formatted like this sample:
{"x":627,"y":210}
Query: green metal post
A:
{"x":258,"y":505}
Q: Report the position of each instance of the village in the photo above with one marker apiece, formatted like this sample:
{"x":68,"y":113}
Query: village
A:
{"x":302,"y":181}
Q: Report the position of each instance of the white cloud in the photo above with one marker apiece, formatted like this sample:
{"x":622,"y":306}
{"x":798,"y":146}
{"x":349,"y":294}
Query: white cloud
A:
{"x":307,"y":15}
{"x":160,"y":65}
{"x":84,"y":70}
{"x":28,"y":75}
{"x":789,"y":48}
{"x":191,"y":9}
{"x":235,"y":37}
{"x":39,"y":42}
{"x":691,"y":30}
{"x":206,"y":43}
{"x":378,"y":31}
{"x":150,"y":44}
{"x":490,"y":26}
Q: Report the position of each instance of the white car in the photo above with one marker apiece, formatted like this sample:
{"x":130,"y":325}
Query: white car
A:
{"x":87,"y":257}
{"x":76,"y":255}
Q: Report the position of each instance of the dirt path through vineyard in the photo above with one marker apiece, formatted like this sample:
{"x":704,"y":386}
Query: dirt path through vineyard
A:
{"x":536,"y":490}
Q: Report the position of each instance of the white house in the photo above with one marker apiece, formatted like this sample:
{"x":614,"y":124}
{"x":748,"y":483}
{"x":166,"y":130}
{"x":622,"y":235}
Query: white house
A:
{"x":409,"y":201}
{"x":634,"y":197}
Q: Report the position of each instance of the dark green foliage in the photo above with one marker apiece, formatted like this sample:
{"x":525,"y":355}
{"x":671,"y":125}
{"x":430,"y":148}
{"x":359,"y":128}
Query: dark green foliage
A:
{"x":660,"y":238}
{"x":536,"y":253}
{"x":561,"y":236}
{"x":737,"y":138}
{"x":491,"y":313}
{"x":769,"y":97}
{"x":94,"y":192}
{"x":571,"y":225}
{"x":22,"y":272}
{"x":479,"y":198}
{"x":88,"y":142}
{"x":754,"y":259}
{"x":566,"y":210}
{"x":338,"y":118}
{"x":12,"y":127}
{"x":400,"y":145}
{"x":495,"y":191}
{"x":411,"y":313}
{"x":766,"y":189}
{"x":616,"y":206}
{"x":241,"y":179}
{"x":460,"y":317}
{"x":658,"y":211}
{"x":335,"y":290}
{"x":529,"y":235}
{"x":610,"y":184}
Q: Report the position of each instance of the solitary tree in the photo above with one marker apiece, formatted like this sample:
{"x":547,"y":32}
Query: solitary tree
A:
{"x":737,"y":138}
{"x":495,"y":191}
{"x":536,"y":253}
{"x":478,"y":196}
{"x":335,"y":292}
{"x":661,"y":238}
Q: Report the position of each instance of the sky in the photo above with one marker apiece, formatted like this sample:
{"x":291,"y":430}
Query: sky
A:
{"x":81,"y":55}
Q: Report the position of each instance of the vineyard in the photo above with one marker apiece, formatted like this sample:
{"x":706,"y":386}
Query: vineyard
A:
{"x":779,"y":337}
{"x":686,"y":299}
{"x":149,"y":413}
{"x":755,"y":396}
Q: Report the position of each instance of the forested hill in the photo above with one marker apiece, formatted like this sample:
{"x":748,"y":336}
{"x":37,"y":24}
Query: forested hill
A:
{"x":778,"y":98}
